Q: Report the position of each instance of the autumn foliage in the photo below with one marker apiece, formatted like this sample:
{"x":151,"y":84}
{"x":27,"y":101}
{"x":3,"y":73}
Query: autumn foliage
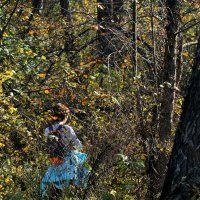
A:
{"x":46,"y":57}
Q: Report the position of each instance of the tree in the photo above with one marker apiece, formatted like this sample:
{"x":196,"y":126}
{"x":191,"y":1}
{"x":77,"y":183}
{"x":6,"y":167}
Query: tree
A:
{"x":109,"y":18}
{"x":37,"y":5}
{"x":169,"y":75}
{"x":64,"y":4}
{"x":104,"y":14}
{"x":134,"y":56}
{"x":186,"y":152}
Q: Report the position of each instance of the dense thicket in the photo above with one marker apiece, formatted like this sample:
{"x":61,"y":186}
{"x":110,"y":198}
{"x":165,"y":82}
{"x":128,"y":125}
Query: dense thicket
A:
{"x":120,"y":66}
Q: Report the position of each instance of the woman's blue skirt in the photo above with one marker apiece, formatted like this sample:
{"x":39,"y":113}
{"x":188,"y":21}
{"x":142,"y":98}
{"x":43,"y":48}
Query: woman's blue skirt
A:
{"x":73,"y":169}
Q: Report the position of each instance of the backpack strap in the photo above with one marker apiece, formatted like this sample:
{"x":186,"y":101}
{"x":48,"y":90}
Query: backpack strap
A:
{"x":56,"y":130}
{"x":59,"y":127}
{"x":50,"y":128}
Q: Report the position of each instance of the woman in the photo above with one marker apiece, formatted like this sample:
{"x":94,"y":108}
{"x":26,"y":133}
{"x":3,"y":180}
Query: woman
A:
{"x":68,"y":168}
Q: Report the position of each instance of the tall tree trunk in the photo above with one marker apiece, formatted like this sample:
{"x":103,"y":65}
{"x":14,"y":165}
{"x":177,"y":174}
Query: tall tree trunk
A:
{"x":104,"y":17}
{"x":109,"y":17}
{"x":169,"y":75}
{"x":37,"y":5}
{"x":134,"y":30}
{"x":159,"y":158}
{"x":179,"y":64}
{"x":117,"y":13}
{"x":64,"y":4}
{"x":69,"y":36}
{"x":186,"y":150}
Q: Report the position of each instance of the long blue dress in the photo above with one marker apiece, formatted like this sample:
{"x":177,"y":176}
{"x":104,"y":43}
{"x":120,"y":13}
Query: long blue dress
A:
{"x":73,"y":169}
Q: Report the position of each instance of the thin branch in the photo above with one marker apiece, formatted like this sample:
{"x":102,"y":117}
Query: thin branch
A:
{"x":4,"y":28}
{"x":50,"y":67}
{"x":187,"y":28}
{"x":190,"y":44}
{"x":6,"y":2}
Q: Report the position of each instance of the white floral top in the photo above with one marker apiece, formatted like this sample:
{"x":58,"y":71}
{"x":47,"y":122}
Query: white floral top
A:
{"x":68,"y":135}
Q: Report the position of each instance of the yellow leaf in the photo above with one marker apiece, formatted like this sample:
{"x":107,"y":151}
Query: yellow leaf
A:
{"x":82,"y":63}
{"x":31,"y":32}
{"x":67,"y":64}
{"x":2,"y":145}
{"x":46,"y":91}
{"x":43,"y":57}
{"x":89,"y":57}
{"x":42,"y":75}
{"x":186,"y":54}
{"x":76,"y":110}
{"x":85,"y":76}
{"x":191,"y":61}
{"x":123,"y":66}
{"x":62,"y":92}
{"x":84,"y":101}
{"x":196,"y":5}
{"x":95,"y":27}
{"x":29,"y":52}
{"x":73,"y":96}
{"x":5,"y":34}
{"x":143,"y":157}
{"x":84,"y":87}
{"x":12,"y":109}
{"x":113,"y":192}
{"x":20,"y":50}
{"x":8,"y":180}
{"x":9,"y":73}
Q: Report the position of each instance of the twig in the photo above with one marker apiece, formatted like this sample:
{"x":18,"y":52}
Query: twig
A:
{"x":186,"y":28}
{"x":12,"y":13}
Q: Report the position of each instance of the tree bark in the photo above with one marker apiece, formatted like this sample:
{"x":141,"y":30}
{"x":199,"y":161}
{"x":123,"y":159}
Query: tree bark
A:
{"x":169,"y":75}
{"x":158,"y":158}
{"x":104,"y":17}
{"x":179,"y":59}
{"x":64,"y":4}
{"x":109,"y":17}
{"x":69,"y":36}
{"x":118,"y":10}
{"x":37,"y":5}
{"x":186,"y":149}
{"x":134,"y":30}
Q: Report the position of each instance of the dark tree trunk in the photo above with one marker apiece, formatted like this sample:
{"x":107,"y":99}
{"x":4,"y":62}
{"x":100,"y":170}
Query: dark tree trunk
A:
{"x":104,"y":17}
{"x":134,"y":30}
{"x":186,"y":151}
{"x":69,"y":36}
{"x":109,"y":17}
{"x":37,"y":5}
{"x":118,"y":10}
{"x":169,"y":75}
{"x":179,"y":64}
{"x":158,"y":157}
{"x":64,"y":4}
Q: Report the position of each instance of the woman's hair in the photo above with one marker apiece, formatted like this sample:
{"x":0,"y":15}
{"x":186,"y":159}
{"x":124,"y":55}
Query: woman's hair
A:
{"x":60,"y":112}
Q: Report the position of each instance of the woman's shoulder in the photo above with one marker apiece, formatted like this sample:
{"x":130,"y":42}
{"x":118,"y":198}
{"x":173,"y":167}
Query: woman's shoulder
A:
{"x":68,"y":127}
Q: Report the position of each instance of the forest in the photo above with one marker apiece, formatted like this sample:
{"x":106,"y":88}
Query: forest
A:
{"x":128,"y":70}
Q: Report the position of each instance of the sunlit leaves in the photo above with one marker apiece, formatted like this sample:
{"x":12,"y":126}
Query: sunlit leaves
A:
{"x":43,"y":57}
{"x":186,"y":54}
{"x":3,"y":77}
{"x":42,"y":75}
